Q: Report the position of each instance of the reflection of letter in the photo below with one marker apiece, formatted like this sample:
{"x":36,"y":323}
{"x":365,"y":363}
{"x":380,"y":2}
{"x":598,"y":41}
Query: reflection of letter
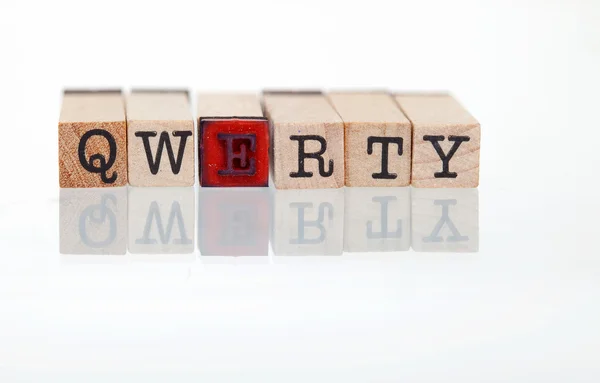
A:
{"x":445,"y":220}
{"x":308,"y":222}
{"x":384,"y":233}
{"x":377,"y":219}
{"x":103,"y":214}
{"x":239,"y":228}
{"x":165,"y":236}
{"x":318,"y":223}
{"x":233,"y":222}
{"x":93,"y":222}
{"x":161,"y":220}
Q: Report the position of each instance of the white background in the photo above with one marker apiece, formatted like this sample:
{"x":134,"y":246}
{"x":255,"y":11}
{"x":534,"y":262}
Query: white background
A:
{"x":525,"y":308}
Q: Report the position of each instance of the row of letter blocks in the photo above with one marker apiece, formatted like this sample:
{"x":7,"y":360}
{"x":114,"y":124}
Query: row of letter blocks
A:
{"x":308,"y":140}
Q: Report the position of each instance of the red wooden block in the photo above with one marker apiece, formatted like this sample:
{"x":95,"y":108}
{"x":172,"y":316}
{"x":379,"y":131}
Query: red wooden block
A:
{"x":234,"y":152}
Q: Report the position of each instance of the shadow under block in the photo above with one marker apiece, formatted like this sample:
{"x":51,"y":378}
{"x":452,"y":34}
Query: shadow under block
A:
{"x":233,"y":139}
{"x":377,"y":219}
{"x":160,"y":134}
{"x":234,"y":221}
{"x":307,"y":141}
{"x":92,"y":140}
{"x":308,"y":222}
{"x":377,"y":139}
{"x":93,"y":221}
{"x":445,"y":220}
{"x":446,"y":142}
{"x":161,"y":220}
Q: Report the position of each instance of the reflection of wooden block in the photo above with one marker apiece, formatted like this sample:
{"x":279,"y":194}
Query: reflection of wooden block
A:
{"x":377,"y":219}
{"x":234,"y":221}
{"x":161,"y":220}
{"x":233,"y":139}
{"x":160,"y":139}
{"x":308,"y":222}
{"x":377,"y":139}
{"x":92,"y":136}
{"x":445,"y":220}
{"x":307,"y":141}
{"x":445,"y":141}
{"x":93,"y":221}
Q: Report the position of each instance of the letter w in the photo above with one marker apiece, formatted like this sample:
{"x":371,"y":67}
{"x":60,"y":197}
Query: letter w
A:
{"x":163,"y":141}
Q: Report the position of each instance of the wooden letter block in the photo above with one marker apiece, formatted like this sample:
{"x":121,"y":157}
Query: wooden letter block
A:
{"x":307,"y":141}
{"x":233,"y":136}
{"x":377,"y":139}
{"x":445,"y":220}
{"x":93,"y":221}
{"x":161,"y":220}
{"x":377,"y":219}
{"x":160,"y":139}
{"x":234,"y":222}
{"x":445,"y":142}
{"x":92,"y":137}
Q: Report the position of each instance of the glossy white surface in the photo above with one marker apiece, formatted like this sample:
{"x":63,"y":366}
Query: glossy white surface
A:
{"x":522,"y":308}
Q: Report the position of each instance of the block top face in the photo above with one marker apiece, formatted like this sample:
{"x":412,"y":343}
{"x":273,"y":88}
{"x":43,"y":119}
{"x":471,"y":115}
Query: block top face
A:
{"x":367,"y":108}
{"x":229,"y":105}
{"x":92,"y":107}
{"x":158,"y":106}
{"x":437,"y":110}
{"x":293,"y":109}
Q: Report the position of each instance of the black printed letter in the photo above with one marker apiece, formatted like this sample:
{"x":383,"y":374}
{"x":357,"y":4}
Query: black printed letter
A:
{"x":164,"y":141}
{"x":246,"y":168}
{"x":385,"y":143}
{"x":103,"y":165}
{"x":302,"y":155}
{"x":445,"y":173}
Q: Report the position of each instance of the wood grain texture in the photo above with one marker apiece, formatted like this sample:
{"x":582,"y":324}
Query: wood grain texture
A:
{"x":305,"y":120}
{"x":228,"y":105}
{"x":442,"y":119}
{"x":369,"y":119}
{"x":160,"y":123}
{"x":92,"y":121}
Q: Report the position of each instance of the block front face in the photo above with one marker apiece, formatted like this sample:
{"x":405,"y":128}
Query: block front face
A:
{"x":446,"y":156}
{"x":161,"y":153}
{"x":161,"y":220}
{"x":378,"y":154}
{"x":308,"y":140}
{"x":234,"y":152}
{"x":445,"y":141}
{"x":234,"y":222}
{"x":445,"y":220}
{"x":377,"y":219}
{"x":92,"y":154}
{"x":378,"y":138}
{"x":93,"y":221}
{"x":308,"y":156}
